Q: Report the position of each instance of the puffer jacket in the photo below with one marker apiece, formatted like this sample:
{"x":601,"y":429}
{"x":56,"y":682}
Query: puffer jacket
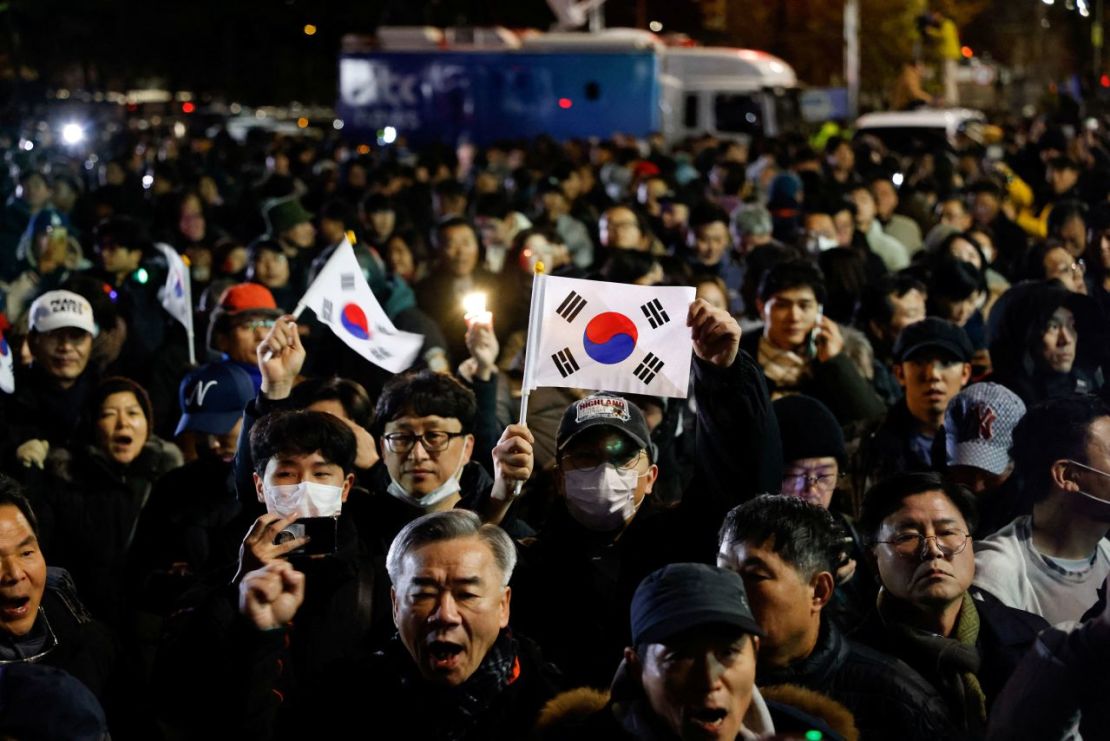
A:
{"x":89,"y":509}
{"x":886,"y":696}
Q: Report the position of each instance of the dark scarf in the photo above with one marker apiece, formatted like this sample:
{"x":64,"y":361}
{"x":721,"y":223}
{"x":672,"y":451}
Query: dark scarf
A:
{"x":954,"y":661}
{"x":459,"y":709}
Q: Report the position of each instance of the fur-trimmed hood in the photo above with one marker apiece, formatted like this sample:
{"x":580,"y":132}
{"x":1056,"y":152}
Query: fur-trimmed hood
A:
{"x":569,"y":711}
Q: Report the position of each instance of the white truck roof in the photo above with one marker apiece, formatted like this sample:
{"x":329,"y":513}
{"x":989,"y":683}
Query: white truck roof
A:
{"x":718,"y":68}
{"x":949,"y":120}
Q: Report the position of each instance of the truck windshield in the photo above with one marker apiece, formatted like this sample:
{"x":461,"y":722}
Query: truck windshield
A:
{"x":738,"y":113}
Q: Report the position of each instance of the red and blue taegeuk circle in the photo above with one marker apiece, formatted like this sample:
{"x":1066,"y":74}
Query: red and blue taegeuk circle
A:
{"x":609,"y":338}
{"x":353,"y":319}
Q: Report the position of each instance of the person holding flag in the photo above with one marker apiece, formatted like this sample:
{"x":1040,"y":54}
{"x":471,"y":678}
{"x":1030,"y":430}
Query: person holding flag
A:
{"x":606,"y":532}
{"x":430,"y":430}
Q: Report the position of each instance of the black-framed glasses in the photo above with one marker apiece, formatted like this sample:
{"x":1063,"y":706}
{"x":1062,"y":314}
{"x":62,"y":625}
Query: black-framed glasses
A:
{"x":803,"y":481}
{"x":949,"y":543}
{"x":434,"y":441}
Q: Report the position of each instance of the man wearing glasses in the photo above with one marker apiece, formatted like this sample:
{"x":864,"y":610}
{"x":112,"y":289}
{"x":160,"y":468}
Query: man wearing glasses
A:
{"x":241,"y":320}
{"x":1052,"y":561}
{"x":427,"y":426}
{"x":919,"y":527}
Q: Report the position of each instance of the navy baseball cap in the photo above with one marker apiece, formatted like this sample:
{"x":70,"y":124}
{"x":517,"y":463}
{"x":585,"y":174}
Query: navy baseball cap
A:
{"x":933,"y":333}
{"x":212,"y":398}
{"x":683,"y":596}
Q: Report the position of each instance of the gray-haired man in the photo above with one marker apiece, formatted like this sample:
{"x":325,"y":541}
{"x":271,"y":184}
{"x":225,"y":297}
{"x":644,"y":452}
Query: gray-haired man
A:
{"x":454,"y":671}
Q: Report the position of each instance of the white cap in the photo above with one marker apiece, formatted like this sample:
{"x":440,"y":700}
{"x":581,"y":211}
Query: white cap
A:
{"x":57,"y":309}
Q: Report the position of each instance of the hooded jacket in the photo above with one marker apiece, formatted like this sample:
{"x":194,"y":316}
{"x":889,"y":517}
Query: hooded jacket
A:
{"x":624,"y":713}
{"x":1014,"y":334}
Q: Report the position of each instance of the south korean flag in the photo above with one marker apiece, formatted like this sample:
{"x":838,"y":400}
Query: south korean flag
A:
{"x":596,"y":335}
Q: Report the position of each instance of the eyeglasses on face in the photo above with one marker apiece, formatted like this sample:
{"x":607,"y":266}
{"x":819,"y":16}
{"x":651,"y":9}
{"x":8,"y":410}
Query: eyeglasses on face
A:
{"x":803,"y":481}
{"x":949,"y":542}
{"x":434,"y":441}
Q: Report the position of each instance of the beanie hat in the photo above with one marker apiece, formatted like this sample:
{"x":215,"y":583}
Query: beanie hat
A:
{"x":809,"y":430}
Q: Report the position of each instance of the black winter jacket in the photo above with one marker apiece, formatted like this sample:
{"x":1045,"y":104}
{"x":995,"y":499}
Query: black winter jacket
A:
{"x":886,"y":696}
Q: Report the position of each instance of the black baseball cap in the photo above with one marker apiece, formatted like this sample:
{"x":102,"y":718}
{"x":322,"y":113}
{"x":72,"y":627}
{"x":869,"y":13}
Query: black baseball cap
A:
{"x":933,"y":333}
{"x":682,"y":596}
{"x":605,"y":409}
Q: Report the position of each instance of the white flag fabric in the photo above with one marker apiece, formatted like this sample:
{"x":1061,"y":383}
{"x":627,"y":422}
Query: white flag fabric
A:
{"x":610,"y":336}
{"x":175,"y":294}
{"x":342,"y":300}
{"x":7,"y":367}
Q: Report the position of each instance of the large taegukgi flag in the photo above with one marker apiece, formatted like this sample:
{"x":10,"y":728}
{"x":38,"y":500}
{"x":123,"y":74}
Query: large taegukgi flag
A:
{"x":611,"y":336}
{"x":341,"y":299}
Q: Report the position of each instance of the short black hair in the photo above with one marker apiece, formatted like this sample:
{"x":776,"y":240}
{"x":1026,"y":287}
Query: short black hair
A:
{"x":12,"y":493}
{"x":874,"y":303}
{"x":1052,"y":430}
{"x":424,"y":393}
{"x":955,"y":280}
{"x":886,"y":497}
{"x":707,"y":213}
{"x":1063,"y":212}
{"x":792,"y":274}
{"x":350,"y":395}
{"x":122,"y":231}
{"x":302,"y":432}
{"x":805,"y":535}
{"x":457,"y":221}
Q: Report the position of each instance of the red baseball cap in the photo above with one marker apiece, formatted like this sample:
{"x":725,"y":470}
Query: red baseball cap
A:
{"x":247,"y":297}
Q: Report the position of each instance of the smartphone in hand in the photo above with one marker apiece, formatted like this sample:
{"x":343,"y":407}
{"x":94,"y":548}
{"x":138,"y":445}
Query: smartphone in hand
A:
{"x":815,"y":333}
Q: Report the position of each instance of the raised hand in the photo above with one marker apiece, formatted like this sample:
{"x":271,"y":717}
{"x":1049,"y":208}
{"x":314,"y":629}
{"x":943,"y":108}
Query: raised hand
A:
{"x":715,"y":333}
{"x":280,"y":358}
{"x":269,"y":597}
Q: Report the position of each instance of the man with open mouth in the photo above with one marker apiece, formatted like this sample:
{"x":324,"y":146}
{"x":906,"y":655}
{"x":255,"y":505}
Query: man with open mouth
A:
{"x":42,"y":620}
{"x":453,"y":671}
{"x":689,"y":674}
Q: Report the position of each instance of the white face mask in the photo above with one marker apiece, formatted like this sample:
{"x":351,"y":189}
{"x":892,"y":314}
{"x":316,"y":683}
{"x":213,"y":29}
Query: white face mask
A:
{"x":821,"y":243}
{"x":432,"y":498}
{"x":1103,"y":504}
{"x":306,"y":499}
{"x":601,"y":498}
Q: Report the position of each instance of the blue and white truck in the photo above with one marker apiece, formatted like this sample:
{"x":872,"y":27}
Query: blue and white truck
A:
{"x":483,"y":85}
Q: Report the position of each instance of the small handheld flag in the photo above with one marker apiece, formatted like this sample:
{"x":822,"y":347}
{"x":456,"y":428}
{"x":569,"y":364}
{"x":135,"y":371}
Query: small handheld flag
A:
{"x":612,"y":336}
{"x":341,"y":299}
{"x":176,"y":295}
{"x":7,"y":367}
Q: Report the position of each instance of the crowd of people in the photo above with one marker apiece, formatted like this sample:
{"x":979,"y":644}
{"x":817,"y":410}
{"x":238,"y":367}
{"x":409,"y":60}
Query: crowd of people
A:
{"x":880,"y":512}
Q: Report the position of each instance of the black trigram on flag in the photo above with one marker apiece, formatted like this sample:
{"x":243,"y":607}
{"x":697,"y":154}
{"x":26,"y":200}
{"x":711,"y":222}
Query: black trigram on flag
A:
{"x":571,"y":306}
{"x":565,"y":362}
{"x":347,"y":281}
{"x":648,"y":368}
{"x":325,"y":311}
{"x":653,"y":310}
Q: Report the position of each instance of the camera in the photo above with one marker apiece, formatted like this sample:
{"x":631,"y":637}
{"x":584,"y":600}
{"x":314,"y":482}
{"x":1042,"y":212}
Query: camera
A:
{"x":321,"y":531}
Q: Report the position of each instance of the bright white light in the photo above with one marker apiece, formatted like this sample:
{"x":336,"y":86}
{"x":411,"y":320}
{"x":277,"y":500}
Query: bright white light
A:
{"x":337,"y":124}
{"x":148,"y":180}
{"x":179,"y":129}
{"x":897,"y":179}
{"x":1049,"y":2}
{"x":655,"y":26}
{"x":26,"y":145}
{"x":73,"y":134}
{"x":389,"y":135}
